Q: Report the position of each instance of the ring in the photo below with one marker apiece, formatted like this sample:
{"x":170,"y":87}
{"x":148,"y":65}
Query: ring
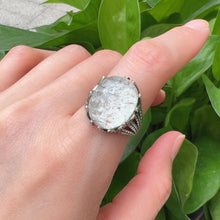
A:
{"x":114,"y":105}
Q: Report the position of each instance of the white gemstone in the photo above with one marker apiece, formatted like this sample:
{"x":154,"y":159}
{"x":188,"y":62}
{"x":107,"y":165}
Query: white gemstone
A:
{"x":113,"y":102}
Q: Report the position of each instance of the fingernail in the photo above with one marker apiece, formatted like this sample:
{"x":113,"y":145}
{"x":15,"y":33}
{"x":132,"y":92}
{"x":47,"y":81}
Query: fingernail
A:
{"x":197,"y":24}
{"x":177,"y":144}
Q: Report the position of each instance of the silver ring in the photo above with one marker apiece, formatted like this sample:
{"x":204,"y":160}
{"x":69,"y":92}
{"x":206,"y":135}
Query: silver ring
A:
{"x":114,"y":105}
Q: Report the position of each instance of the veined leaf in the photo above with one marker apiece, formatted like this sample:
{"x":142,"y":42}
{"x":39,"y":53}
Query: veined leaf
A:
{"x":178,"y":117}
{"x":153,"y":3}
{"x":196,"y":67}
{"x":174,"y":206}
{"x":119,"y":24}
{"x":206,"y":182}
{"x":213,"y":93}
{"x":80,"y":4}
{"x":184,"y":169}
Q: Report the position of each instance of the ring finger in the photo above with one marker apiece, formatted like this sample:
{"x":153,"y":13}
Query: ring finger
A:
{"x":19,"y":61}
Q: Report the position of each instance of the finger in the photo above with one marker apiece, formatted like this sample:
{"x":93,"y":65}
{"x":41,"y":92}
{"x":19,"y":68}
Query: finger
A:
{"x":150,"y":75}
{"x":147,"y":192}
{"x":151,"y":63}
{"x":159,"y":98}
{"x":75,"y":84}
{"x":44,"y":73}
{"x":17,"y":62}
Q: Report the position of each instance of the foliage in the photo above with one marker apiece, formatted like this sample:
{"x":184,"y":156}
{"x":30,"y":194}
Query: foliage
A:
{"x":192,"y":105}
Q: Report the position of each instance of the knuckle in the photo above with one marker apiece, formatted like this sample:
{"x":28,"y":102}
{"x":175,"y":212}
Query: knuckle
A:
{"x":76,"y":49}
{"x":20,"y":50}
{"x":183,"y":31}
{"x":164,"y":188}
{"x":148,"y":53}
{"x":111,"y":54}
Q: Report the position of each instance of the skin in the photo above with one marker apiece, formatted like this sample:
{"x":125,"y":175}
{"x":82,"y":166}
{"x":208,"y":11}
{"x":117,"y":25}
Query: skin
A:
{"x":54,"y":163}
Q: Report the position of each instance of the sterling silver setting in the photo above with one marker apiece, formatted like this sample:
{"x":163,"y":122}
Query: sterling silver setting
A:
{"x":132,"y":124}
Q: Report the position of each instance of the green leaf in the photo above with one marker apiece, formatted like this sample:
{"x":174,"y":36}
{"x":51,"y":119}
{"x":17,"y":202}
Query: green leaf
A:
{"x":216,"y":29}
{"x":184,"y":169}
{"x":213,"y":93}
{"x":178,"y":117}
{"x":206,"y":212}
{"x":165,"y":8}
{"x":2,"y":54}
{"x":119,"y":24}
{"x":209,"y":5}
{"x":205,"y":122}
{"x":191,"y":6}
{"x":151,"y":138}
{"x":156,"y":30}
{"x":10,"y":37}
{"x":183,"y":172}
{"x":124,"y":173}
{"x":216,"y":64}
{"x":87,"y":34}
{"x":196,"y":67}
{"x":206,"y":181}
{"x":153,"y":3}
{"x":214,"y":207}
{"x":174,"y":206}
{"x":161,"y":215}
{"x":75,"y":20}
{"x":135,"y":140}
{"x":80,"y":4}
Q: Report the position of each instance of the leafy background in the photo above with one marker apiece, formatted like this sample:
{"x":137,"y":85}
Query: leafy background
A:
{"x":192,"y":105}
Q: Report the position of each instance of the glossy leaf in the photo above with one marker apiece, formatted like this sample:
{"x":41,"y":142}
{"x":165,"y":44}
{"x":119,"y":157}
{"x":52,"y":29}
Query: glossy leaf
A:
{"x":123,"y":174}
{"x":189,"y":7}
{"x":216,"y":64}
{"x":209,"y":5}
{"x":74,"y":20}
{"x":135,"y":140}
{"x":174,"y":206}
{"x":184,"y":169}
{"x":178,"y":117}
{"x":213,"y":93}
{"x":156,"y":30}
{"x":151,"y":138}
{"x":183,"y":172}
{"x":80,"y":4}
{"x":119,"y":24}
{"x":216,"y":29}
{"x":153,"y":3}
{"x":10,"y":37}
{"x":165,"y":8}
{"x":214,"y":207}
{"x":205,"y":122}
{"x":206,"y":182}
{"x":196,"y":67}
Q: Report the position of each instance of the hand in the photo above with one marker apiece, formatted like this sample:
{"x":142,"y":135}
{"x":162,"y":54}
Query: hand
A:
{"x":54,"y":163}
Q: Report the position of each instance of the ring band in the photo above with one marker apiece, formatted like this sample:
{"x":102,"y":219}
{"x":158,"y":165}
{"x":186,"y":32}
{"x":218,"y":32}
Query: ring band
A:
{"x":114,"y":105}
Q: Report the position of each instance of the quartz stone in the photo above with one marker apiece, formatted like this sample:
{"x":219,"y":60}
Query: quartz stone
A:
{"x":112,"y":102}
